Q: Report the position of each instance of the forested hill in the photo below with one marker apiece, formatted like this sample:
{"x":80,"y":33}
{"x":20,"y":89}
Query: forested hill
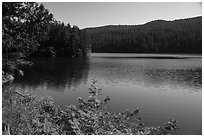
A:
{"x":159,"y":36}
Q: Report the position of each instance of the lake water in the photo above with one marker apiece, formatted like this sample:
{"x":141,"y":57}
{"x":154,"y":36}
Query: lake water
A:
{"x":162,"y":86}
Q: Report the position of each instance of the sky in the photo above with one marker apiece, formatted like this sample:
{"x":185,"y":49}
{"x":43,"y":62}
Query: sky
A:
{"x":94,"y":14}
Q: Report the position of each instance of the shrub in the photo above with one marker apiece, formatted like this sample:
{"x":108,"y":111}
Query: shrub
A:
{"x":29,"y":115}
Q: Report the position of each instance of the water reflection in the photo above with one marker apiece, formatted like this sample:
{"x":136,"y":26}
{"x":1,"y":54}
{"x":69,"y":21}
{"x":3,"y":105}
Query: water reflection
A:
{"x":60,"y":73}
{"x":54,"y":73}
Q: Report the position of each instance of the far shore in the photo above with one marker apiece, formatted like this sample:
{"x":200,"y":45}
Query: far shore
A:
{"x":147,"y":55}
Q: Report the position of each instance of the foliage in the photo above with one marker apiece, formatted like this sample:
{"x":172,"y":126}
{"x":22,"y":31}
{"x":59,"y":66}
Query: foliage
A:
{"x":25,"y":114}
{"x":178,"y":36}
{"x":25,"y":25}
{"x":30,"y":115}
{"x":29,"y":29}
{"x":64,"y":40}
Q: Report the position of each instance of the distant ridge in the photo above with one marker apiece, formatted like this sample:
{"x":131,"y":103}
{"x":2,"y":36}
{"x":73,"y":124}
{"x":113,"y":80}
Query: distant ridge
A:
{"x":158,"y":36}
{"x":158,"y":20}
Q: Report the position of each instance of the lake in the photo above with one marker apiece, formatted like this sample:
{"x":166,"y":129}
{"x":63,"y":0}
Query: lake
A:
{"x":162,"y":86}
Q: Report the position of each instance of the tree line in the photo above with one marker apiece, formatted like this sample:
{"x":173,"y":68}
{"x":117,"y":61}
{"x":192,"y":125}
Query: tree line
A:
{"x":159,"y":36}
{"x":29,"y":29}
{"x":64,"y":40}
